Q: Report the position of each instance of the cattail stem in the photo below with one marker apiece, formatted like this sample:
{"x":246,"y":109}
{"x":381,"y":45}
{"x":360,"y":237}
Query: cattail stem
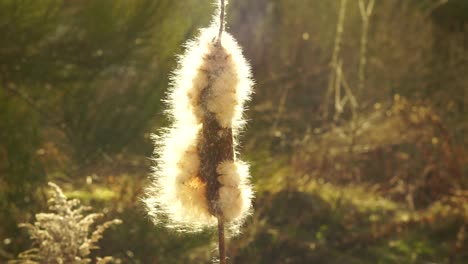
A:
{"x":221,"y":19}
{"x":216,"y":146}
{"x":221,"y":245}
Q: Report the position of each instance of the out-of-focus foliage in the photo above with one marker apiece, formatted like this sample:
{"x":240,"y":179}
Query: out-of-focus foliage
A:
{"x":381,"y":179}
{"x":80,"y":81}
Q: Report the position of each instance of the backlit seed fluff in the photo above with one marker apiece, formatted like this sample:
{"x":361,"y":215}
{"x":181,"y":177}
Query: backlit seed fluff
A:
{"x":213,"y":81}
{"x":224,"y":68}
{"x":235,"y":193}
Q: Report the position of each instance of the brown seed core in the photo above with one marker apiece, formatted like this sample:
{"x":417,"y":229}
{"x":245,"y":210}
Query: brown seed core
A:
{"x":215,"y":145}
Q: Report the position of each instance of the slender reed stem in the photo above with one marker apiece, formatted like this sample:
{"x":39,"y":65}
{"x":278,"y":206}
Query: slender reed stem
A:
{"x":221,"y":19}
{"x":216,"y":145}
{"x":366,"y":12}
{"x":225,"y":148}
{"x":335,"y":55}
{"x":221,"y":245}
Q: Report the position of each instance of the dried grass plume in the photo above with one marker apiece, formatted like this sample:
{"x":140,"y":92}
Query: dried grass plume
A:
{"x":66,"y":235}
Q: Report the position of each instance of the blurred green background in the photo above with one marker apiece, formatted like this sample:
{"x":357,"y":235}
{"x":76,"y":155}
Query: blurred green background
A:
{"x":353,"y":161}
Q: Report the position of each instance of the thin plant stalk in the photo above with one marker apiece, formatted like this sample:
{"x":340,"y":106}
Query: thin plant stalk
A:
{"x":334,"y":60}
{"x":221,"y":244}
{"x":366,"y":12}
{"x":221,"y":19}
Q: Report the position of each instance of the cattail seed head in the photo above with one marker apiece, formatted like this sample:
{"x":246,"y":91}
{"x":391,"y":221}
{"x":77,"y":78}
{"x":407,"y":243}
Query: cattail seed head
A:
{"x":197,"y":177}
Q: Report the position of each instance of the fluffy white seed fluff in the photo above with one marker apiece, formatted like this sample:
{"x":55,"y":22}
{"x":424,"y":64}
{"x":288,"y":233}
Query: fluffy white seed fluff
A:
{"x":221,"y":68}
{"x":177,"y":191}
{"x":235,"y":192}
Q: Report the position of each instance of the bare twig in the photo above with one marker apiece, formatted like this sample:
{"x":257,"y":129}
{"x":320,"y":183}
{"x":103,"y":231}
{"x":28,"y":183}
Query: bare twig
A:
{"x":349,"y":93}
{"x":338,"y":105}
{"x":366,"y":12}
{"x":334,"y":60}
